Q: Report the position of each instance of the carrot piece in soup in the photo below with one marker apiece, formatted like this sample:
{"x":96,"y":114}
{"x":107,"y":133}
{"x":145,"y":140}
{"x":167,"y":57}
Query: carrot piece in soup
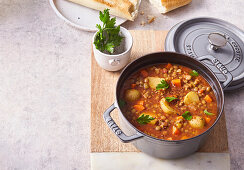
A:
{"x":179,"y":118}
{"x":208,"y":99}
{"x":140,"y":102}
{"x":184,"y":137}
{"x":176,"y":82}
{"x":200,"y":91}
{"x":133,"y":86}
{"x":144,"y":73}
{"x":139,"y":107}
{"x":175,"y":131}
{"x":207,"y":119}
{"x":168,"y":66}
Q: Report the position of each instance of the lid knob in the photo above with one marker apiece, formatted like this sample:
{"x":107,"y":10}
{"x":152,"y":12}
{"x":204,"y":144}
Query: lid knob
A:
{"x":217,"y":40}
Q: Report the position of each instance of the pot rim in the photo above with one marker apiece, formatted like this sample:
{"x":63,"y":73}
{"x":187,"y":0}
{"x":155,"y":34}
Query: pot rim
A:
{"x":163,"y":140}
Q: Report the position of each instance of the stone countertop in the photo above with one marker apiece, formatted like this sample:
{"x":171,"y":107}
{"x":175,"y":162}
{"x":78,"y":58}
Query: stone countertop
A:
{"x":45,"y":83}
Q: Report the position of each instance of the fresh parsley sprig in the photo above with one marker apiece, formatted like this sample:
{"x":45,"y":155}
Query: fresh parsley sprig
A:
{"x":194,"y":73}
{"x":170,"y":99}
{"x":144,"y":119}
{"x":163,"y":85}
{"x":107,"y":37}
{"x":187,"y":115}
{"x":208,"y":113}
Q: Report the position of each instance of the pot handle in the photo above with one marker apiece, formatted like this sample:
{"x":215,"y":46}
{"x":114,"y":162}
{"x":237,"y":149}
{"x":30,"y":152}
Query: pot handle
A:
{"x":220,"y":67}
{"x":114,"y":127}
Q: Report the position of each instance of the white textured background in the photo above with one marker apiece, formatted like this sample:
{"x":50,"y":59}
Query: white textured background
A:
{"x":45,"y":83}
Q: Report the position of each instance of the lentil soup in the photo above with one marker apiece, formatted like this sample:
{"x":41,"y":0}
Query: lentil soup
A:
{"x":169,"y":101}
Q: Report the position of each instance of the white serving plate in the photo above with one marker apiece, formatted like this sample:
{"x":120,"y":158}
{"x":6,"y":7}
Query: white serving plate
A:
{"x":78,"y":16}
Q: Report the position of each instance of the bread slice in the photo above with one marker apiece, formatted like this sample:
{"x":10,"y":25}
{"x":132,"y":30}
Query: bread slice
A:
{"x":127,"y":9}
{"x":168,"y":5}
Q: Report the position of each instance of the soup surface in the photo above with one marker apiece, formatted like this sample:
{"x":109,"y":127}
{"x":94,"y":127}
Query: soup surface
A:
{"x":169,"y":101}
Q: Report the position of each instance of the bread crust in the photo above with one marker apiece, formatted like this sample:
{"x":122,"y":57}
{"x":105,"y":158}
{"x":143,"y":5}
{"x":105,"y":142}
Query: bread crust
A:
{"x":173,"y":4}
{"x":165,"y":6}
{"x":122,"y":8}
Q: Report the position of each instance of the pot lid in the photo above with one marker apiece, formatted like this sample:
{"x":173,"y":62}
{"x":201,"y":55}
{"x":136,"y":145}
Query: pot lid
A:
{"x":209,"y":36}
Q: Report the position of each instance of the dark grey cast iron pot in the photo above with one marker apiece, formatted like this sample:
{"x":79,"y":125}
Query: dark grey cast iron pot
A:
{"x":158,"y":147}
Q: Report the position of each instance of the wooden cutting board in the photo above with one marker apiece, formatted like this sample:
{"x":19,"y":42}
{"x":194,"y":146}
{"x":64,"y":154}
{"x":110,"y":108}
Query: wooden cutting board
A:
{"x":103,"y":95}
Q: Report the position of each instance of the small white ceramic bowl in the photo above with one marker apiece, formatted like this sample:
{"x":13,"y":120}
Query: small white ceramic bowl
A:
{"x":117,"y":61}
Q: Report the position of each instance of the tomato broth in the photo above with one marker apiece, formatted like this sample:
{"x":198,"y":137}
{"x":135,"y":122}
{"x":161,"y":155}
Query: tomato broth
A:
{"x":169,"y":101}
